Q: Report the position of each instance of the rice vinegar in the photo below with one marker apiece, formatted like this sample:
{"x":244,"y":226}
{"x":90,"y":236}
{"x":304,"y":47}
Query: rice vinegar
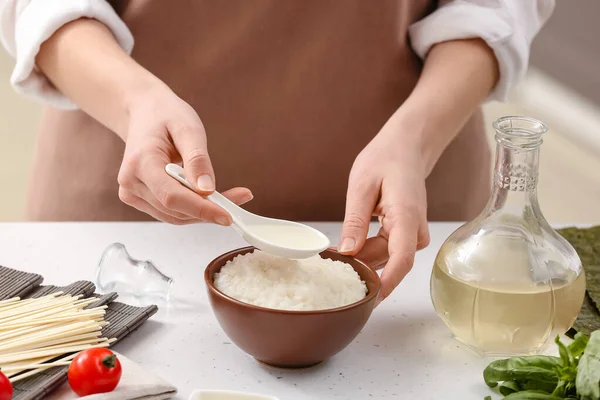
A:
{"x":506,"y":282}
{"x":499,"y":320}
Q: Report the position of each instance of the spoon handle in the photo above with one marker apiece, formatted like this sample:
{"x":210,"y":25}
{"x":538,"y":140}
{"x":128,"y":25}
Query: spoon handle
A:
{"x":175,"y":171}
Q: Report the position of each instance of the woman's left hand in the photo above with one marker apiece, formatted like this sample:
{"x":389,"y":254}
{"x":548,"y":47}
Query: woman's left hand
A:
{"x":387,"y":180}
{"x":388,"y":177}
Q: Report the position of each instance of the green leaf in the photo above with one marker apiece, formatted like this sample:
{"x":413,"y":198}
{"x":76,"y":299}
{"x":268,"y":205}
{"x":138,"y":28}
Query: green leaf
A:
{"x":508,"y":387}
{"x":565,"y":354}
{"x":541,"y":369}
{"x":578,"y":345}
{"x":588,"y":374}
{"x":538,"y":386}
{"x":567,"y":372}
{"x":560,"y":390}
{"x":531,"y":395}
{"x":487,"y":398}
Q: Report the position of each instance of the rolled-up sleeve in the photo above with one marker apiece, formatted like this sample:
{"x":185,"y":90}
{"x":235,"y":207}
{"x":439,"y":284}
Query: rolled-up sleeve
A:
{"x":26,"y":24}
{"x":507,"y":26}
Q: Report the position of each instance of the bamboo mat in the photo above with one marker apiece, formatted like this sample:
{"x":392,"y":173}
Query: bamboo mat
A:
{"x":123,"y":319}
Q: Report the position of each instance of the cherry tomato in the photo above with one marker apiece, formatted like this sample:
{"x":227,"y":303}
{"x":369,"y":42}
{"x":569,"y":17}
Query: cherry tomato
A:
{"x":94,"y":371}
{"x":6,"y":389}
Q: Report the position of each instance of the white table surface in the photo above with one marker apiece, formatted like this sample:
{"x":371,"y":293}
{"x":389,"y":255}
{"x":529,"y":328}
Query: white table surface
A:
{"x":404,"y":352}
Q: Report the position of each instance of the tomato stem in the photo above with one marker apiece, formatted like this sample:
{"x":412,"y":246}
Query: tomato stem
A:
{"x":109,"y":361}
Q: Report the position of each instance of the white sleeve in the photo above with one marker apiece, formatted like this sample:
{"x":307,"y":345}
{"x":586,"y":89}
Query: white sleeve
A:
{"x":26,"y":24}
{"x":507,"y":26}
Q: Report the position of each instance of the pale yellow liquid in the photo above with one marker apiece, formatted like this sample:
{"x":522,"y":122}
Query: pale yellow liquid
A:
{"x":494,"y":316}
{"x":290,"y":236}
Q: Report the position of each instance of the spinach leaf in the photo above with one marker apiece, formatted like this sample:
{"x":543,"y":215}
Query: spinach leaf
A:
{"x":531,"y":395}
{"x":565,"y":354}
{"x":567,"y":372}
{"x":508,"y":387}
{"x":561,"y":389}
{"x":588,"y":374}
{"x":537,"y":386}
{"x":542,"y":369}
{"x":578,"y":345}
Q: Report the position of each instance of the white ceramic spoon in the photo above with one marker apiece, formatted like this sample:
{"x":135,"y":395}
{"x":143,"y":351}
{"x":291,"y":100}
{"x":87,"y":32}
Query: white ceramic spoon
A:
{"x":275,"y":236}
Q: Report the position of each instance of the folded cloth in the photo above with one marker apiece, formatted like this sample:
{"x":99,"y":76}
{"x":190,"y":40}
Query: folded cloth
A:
{"x":136,"y":383}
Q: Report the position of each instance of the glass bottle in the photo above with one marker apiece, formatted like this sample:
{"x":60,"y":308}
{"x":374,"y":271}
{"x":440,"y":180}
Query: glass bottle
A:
{"x":506,"y":282}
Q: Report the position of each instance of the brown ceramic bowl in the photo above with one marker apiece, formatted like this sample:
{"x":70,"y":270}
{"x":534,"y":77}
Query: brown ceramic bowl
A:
{"x":291,"y":339}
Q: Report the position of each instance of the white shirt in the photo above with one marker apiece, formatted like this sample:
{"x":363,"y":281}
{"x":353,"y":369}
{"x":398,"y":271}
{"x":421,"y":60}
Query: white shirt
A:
{"x":507,"y":26}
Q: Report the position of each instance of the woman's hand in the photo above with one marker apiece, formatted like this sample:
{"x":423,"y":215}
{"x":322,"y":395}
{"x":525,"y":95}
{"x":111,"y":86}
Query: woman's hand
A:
{"x":84,"y":61}
{"x":388,"y":181}
{"x":164,"y":129}
{"x":388,"y":177}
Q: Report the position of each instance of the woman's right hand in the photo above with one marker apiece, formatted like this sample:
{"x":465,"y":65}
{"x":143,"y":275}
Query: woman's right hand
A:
{"x":85,"y":63}
{"x":164,"y":129}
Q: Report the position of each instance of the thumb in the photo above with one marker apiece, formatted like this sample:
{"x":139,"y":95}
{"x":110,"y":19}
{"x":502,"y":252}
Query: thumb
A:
{"x":191,"y":145}
{"x":359,"y":208}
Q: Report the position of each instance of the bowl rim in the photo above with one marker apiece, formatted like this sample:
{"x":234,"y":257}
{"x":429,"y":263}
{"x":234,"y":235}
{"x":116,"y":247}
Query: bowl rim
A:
{"x":369,"y":297}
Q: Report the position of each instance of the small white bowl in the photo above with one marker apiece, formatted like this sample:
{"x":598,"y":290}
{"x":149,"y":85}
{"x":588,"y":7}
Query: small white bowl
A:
{"x":227,"y":395}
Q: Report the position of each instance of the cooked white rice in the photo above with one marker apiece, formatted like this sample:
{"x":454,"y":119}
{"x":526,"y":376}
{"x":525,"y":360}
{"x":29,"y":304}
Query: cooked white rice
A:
{"x":310,"y":284}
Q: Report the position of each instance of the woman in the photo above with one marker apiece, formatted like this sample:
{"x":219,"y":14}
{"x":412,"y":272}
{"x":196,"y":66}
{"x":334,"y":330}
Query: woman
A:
{"x":293,"y":97}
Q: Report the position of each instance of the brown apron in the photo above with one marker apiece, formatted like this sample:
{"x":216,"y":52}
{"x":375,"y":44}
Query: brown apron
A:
{"x":289,"y":92}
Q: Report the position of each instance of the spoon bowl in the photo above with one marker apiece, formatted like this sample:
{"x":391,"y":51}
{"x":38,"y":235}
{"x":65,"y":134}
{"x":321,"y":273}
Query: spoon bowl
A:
{"x":274,"y":236}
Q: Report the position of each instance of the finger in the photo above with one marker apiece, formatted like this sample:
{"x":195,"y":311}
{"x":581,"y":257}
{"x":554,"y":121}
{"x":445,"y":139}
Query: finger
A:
{"x":361,"y":200}
{"x":238,"y":195}
{"x":140,"y":190}
{"x":423,"y":237}
{"x":375,"y":252}
{"x":190,"y":141}
{"x":402,"y":246}
{"x":174,"y":196}
{"x":147,"y":208}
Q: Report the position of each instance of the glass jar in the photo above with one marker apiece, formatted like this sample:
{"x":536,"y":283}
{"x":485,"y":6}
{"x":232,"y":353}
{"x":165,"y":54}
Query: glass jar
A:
{"x":506,"y":282}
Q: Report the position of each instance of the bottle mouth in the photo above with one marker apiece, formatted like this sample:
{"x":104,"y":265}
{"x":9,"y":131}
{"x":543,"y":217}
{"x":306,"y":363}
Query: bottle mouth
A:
{"x":519,"y":132}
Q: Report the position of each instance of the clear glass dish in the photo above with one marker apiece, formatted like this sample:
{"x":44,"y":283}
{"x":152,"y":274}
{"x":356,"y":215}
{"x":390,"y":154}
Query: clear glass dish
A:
{"x":136,"y":282}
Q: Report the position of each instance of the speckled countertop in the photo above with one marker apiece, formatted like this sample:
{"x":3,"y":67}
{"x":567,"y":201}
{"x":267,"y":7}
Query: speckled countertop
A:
{"x":404,"y":352}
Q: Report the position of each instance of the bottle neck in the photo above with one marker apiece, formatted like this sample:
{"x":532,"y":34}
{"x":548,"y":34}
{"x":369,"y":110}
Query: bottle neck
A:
{"x":515,"y":181}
